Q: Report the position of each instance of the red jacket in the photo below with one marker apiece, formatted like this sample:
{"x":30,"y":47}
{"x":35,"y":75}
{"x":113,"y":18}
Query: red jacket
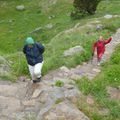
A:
{"x":100,"y":45}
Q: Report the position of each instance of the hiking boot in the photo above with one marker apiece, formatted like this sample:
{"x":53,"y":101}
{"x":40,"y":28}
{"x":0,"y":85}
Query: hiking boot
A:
{"x":34,"y":81}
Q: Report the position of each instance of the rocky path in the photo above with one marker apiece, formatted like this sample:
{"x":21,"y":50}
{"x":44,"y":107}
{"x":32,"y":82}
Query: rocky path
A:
{"x":45,"y":101}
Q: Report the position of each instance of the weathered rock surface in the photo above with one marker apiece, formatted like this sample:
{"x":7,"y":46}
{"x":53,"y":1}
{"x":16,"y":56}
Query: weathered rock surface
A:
{"x":64,"y":111}
{"x":73,"y":51}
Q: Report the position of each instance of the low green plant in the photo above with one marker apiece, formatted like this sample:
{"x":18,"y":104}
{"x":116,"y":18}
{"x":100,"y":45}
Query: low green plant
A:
{"x":58,"y":101}
{"x":59,"y":83}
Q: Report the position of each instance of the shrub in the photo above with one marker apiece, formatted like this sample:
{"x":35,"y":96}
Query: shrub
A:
{"x":83,"y":7}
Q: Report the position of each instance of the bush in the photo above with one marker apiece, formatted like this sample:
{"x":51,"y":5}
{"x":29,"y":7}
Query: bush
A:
{"x":83,"y":7}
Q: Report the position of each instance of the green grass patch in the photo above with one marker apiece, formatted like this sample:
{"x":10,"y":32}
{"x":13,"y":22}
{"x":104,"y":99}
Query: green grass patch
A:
{"x":58,"y":101}
{"x":59,"y":83}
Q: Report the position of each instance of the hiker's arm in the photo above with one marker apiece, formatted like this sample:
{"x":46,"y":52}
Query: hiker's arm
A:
{"x":108,"y":41}
{"x":41,"y":48}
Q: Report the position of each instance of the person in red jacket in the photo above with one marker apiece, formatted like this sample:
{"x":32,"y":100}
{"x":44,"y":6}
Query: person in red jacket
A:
{"x":100,"y":45}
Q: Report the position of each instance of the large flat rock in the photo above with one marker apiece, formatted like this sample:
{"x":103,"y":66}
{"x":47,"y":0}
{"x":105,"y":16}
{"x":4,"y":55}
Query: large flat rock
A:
{"x":64,"y":111}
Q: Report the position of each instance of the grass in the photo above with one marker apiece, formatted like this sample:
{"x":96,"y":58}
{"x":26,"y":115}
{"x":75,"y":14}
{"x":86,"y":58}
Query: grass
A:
{"x":58,"y":101}
{"x":110,"y":76}
{"x":59,"y":83}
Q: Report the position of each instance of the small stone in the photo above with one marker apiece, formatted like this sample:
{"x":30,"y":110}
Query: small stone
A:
{"x":108,"y":16}
{"x":90,"y":100}
{"x":97,"y":70}
{"x":116,"y":16}
{"x":84,"y":63}
{"x":49,"y":26}
{"x":11,"y":21}
{"x":22,"y":78}
{"x":99,"y":27}
{"x":20,"y":8}
{"x":64,"y":69}
{"x":52,"y":16}
{"x":49,"y":17}
{"x":97,"y":21}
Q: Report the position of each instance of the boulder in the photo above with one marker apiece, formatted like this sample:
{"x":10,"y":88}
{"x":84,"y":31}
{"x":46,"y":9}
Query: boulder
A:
{"x":73,"y":51}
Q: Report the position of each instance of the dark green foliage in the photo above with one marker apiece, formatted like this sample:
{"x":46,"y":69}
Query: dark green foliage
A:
{"x":83,"y":7}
